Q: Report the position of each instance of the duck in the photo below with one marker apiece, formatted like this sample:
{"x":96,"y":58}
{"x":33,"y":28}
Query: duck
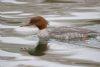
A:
{"x":59,"y":33}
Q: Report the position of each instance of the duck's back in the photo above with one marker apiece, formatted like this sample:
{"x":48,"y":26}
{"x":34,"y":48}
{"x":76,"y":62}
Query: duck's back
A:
{"x":67,"y":33}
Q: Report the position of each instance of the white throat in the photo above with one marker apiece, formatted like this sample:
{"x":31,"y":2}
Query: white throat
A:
{"x":43,"y":33}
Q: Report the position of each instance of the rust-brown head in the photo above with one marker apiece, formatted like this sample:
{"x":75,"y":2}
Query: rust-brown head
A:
{"x":38,"y":21}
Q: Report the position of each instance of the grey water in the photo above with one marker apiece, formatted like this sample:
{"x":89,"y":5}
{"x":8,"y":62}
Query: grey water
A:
{"x":69,"y":13}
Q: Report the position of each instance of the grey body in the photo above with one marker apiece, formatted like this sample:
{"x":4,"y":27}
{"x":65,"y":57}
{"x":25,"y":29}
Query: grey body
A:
{"x":67,"y":33}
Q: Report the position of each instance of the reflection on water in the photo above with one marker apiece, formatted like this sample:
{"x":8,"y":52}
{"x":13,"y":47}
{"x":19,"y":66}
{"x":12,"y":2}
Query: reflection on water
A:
{"x":70,"y":13}
{"x":40,"y":49}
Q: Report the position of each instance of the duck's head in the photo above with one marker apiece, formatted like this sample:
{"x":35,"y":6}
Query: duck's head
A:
{"x":38,"y":21}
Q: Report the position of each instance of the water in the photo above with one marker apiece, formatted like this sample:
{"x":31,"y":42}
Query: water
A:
{"x":71,"y":13}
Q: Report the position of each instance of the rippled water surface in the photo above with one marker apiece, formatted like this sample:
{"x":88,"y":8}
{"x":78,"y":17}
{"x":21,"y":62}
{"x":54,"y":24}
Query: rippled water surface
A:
{"x":70,"y":13}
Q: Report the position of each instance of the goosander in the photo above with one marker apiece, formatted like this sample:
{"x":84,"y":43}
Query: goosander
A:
{"x":61,"y":33}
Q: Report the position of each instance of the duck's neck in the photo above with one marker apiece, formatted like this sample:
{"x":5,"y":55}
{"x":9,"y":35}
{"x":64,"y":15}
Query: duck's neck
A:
{"x":43,"y":33}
